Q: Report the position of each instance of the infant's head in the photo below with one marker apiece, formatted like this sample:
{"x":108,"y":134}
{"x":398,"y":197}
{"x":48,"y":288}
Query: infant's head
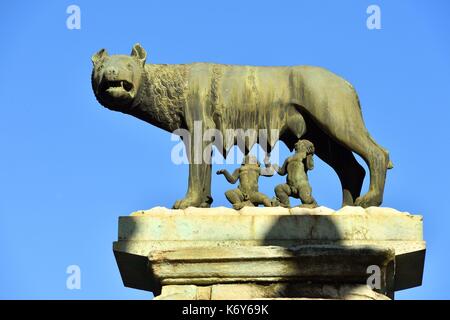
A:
{"x":251,"y":159}
{"x":304,"y":146}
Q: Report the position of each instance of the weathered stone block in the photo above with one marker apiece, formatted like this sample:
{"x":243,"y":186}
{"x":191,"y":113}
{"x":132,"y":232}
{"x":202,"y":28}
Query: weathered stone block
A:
{"x":271,"y":248}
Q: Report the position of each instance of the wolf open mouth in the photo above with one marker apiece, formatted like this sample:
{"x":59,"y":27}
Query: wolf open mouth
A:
{"x":117,"y":86}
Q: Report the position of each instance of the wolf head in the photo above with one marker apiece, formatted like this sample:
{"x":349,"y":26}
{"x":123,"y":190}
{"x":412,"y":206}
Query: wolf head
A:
{"x":116,"y":79}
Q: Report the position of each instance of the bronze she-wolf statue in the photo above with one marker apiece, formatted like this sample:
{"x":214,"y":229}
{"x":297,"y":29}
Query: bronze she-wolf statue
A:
{"x":299,"y":101}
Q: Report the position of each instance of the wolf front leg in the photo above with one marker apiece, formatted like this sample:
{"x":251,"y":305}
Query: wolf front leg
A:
{"x":198,"y":194}
{"x":199,"y":185}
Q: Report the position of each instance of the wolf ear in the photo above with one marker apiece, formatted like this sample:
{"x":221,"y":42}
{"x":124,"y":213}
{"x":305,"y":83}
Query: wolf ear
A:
{"x":101,"y":54}
{"x":139,"y":53}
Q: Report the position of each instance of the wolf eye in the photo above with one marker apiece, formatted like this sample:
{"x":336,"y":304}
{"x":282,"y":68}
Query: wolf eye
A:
{"x":129,"y":66}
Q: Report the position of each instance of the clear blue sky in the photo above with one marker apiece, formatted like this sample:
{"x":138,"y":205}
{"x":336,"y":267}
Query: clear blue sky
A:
{"x":69,"y":167}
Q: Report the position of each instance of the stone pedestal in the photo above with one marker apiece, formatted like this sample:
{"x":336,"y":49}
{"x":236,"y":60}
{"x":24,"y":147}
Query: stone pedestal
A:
{"x":271,"y":253}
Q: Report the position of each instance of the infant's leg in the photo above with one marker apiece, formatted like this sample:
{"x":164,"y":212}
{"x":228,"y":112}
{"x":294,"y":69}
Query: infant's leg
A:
{"x":283,"y":191}
{"x":305,"y":194}
{"x":258,"y":198}
{"x":234,"y":196}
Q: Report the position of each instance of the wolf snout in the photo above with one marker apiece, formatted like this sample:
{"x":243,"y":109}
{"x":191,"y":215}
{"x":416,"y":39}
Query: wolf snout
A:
{"x":112,"y":72}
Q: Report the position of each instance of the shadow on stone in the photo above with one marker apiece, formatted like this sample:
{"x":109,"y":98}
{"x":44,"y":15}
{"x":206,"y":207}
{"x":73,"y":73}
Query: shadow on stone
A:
{"x":323,"y":265}
{"x":410,"y":276}
{"x":132,"y":261}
